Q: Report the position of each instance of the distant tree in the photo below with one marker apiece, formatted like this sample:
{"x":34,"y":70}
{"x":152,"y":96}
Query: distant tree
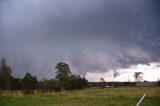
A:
{"x":63,"y":74}
{"x":73,"y":82}
{"x":138,"y":76}
{"x":5,"y":75}
{"x":158,"y":82}
{"x":102,"y":83}
{"x":77,"y":82}
{"x":16,"y":83}
{"x":29,"y":82}
{"x":83,"y":82}
{"x":49,"y":85}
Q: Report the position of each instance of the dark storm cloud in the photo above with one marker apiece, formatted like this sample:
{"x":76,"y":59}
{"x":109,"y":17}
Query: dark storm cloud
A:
{"x":90,"y":35}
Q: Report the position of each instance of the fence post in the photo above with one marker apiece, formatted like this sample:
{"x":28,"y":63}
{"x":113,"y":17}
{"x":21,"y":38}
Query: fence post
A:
{"x":35,"y":91}
{"x":141,"y":99}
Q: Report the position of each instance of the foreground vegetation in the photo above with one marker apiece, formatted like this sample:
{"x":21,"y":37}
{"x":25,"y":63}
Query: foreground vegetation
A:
{"x":127,"y":96}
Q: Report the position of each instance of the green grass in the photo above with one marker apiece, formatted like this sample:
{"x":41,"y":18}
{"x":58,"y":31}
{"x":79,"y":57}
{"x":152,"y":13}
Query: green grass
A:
{"x":127,"y":96}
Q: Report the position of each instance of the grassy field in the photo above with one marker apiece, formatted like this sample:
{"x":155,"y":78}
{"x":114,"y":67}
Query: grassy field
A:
{"x":127,"y":96}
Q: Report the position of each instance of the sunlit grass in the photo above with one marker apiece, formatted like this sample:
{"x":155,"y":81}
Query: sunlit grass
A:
{"x":128,"y":96}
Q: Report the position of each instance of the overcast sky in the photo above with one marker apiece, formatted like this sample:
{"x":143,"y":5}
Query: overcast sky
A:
{"x":92,"y":36}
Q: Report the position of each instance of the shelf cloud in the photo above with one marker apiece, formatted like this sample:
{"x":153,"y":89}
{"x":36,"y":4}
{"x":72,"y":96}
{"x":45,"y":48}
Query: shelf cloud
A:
{"x":89,"y":35}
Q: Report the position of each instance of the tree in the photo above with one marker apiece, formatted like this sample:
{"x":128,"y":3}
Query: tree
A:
{"x":77,"y":82}
{"x":5,"y":75}
{"x":15,"y":83}
{"x":49,"y":85}
{"x":63,"y":74}
{"x":102,"y":83}
{"x":138,"y":76}
{"x":158,"y":81}
{"x":29,"y":82}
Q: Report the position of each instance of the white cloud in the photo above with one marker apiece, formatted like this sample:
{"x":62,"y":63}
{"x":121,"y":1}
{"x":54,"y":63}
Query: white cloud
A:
{"x":151,"y":73}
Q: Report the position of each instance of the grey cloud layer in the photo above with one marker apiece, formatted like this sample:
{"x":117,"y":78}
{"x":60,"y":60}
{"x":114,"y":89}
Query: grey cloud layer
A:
{"x":91,"y":35}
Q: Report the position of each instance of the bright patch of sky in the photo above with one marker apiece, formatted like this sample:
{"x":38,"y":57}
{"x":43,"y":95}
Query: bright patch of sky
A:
{"x":151,"y":73}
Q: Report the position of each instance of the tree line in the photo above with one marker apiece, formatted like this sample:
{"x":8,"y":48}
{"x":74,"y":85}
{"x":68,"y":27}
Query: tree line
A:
{"x":64,"y":80}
